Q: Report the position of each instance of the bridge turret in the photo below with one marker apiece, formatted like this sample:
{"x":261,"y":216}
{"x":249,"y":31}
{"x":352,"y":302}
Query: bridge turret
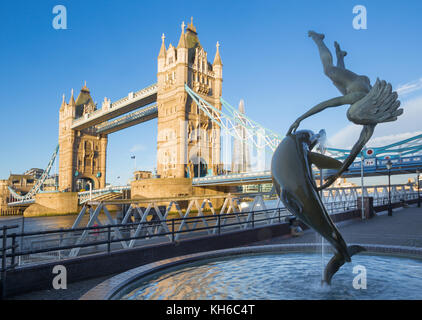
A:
{"x":217,"y":67}
{"x":182,"y":59}
{"x":82,"y":153}
{"x":66,"y":141}
{"x":72,"y":100}
{"x":64,"y":104}
{"x":162,"y":55}
{"x":188,"y":143}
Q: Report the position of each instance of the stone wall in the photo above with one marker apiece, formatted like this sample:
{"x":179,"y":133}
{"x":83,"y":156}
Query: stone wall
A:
{"x":176,"y":187}
{"x":161,"y":188}
{"x":4,"y":194}
{"x":53,"y":203}
{"x":217,"y":190}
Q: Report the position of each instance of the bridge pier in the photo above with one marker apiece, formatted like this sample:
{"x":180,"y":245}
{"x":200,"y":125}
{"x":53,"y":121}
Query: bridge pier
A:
{"x":176,"y":187}
{"x":161,"y":188}
{"x":54,"y":203}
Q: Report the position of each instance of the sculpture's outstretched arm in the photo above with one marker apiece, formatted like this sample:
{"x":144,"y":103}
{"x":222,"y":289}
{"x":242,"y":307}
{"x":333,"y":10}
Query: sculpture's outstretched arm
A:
{"x":335,"y":102}
{"x":365,"y":135}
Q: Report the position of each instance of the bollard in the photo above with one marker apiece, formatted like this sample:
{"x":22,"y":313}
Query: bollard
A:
{"x":253,"y":219}
{"x":3,"y":263}
{"x":368,"y":207}
{"x":13,"y":249}
{"x":172,"y":230}
{"x":108,"y":239}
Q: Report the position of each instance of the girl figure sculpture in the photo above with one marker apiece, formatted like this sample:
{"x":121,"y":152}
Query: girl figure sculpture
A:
{"x":368,"y":105}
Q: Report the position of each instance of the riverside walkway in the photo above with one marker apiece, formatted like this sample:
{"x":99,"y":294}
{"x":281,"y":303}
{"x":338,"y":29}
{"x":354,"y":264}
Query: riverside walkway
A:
{"x":404,"y":228}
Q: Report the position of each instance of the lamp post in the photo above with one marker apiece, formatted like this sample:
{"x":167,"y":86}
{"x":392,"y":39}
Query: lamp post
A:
{"x":90,"y":190}
{"x":389,"y":166}
{"x":418,"y":172}
{"x":134,"y":160}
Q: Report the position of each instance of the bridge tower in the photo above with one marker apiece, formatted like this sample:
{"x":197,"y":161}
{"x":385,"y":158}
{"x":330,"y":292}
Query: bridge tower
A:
{"x":188,"y":142}
{"x":82,"y":153}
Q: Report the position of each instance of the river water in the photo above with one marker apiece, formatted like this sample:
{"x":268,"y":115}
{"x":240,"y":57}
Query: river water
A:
{"x":48,"y":223}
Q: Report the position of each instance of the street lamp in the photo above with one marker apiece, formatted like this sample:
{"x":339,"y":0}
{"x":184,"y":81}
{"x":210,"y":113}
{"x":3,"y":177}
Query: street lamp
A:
{"x":418,"y":172}
{"x":389,"y":166}
{"x":90,"y":190}
{"x":134,"y":158}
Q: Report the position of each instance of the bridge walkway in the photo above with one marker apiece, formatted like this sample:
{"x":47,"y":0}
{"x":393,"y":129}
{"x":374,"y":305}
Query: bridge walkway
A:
{"x":404,"y":228}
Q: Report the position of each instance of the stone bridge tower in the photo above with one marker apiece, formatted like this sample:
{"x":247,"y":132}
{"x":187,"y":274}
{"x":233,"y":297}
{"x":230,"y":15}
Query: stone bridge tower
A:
{"x":188,"y":142}
{"x":82,"y":153}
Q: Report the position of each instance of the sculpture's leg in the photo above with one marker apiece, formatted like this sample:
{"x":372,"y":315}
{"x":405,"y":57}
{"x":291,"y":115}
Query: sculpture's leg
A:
{"x":339,"y":75}
{"x":365,"y":135}
{"x":340,"y":56}
{"x":324,"y":52}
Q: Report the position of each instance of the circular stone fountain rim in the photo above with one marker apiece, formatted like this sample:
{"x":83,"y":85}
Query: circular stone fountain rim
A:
{"x":111,"y":288}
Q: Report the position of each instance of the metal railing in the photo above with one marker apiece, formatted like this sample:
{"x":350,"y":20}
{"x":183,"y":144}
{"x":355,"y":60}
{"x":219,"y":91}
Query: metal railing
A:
{"x":7,"y":265}
{"x":58,"y":244}
{"x":11,"y":212}
{"x":85,"y":196}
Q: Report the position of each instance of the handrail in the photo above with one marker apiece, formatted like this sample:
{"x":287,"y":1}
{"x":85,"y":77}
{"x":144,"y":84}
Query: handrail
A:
{"x":108,"y":227}
{"x":255,"y":215}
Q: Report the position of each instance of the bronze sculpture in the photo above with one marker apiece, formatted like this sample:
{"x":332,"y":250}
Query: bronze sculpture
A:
{"x":369,"y":105}
{"x":291,"y":165}
{"x":291,"y":170}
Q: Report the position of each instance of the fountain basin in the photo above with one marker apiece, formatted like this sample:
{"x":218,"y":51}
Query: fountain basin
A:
{"x":288,"y":271}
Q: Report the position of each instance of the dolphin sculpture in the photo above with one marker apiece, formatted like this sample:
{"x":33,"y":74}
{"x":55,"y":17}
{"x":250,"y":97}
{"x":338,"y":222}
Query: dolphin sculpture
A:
{"x":291,"y":171}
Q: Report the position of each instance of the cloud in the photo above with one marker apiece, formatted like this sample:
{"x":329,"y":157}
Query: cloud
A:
{"x":137,"y":147}
{"x":346,"y":137}
{"x":409,"y":87}
{"x":406,"y":126}
{"x":386,"y":140}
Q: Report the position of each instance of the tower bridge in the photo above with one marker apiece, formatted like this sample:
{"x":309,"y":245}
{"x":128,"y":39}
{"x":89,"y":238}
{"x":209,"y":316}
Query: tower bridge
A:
{"x":83,"y":128}
{"x":194,"y":133}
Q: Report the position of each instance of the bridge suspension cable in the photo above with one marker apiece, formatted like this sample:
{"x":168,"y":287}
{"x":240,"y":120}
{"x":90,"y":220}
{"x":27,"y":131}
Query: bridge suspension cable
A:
{"x":256,"y":135}
{"x":230,"y":119}
{"x":38,"y":185}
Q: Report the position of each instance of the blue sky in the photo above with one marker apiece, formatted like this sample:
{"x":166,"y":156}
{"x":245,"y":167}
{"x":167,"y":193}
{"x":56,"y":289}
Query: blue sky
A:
{"x":268,"y":61}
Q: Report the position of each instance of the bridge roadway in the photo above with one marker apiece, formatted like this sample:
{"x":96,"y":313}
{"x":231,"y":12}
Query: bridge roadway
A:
{"x":405,"y":165}
{"x":133,"y":101}
{"x":265,"y":176}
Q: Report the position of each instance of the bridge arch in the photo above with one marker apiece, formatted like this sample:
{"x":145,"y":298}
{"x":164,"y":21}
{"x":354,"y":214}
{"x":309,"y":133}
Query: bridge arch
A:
{"x":197,"y":167}
{"x":82,"y":183}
